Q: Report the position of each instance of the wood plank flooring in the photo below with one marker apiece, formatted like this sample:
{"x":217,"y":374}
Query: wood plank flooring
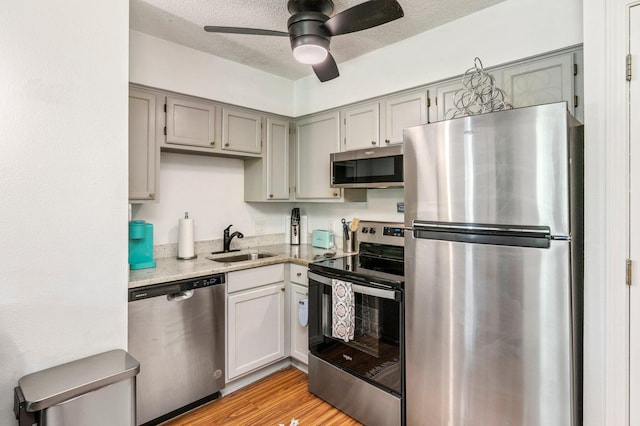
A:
{"x":274,"y":400}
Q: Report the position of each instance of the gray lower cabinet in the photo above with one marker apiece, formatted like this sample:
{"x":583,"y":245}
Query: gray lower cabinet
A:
{"x":298,"y":298}
{"x":144,"y":155}
{"x":255,"y":319}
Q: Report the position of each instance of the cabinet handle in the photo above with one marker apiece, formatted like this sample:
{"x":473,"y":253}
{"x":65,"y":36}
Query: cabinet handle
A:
{"x":299,"y":274}
{"x":226,"y":144}
{"x":373,"y":142}
{"x":387,"y":141}
{"x":270,"y":195}
{"x":213,"y":143}
{"x":335,"y":194}
{"x":282,"y":289}
{"x":152,"y":196}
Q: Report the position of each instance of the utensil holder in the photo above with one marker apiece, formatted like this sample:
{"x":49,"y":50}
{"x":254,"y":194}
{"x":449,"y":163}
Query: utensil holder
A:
{"x":350,"y":245}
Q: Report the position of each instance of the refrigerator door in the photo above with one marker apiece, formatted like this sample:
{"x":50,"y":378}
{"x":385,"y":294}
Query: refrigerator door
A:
{"x":509,"y":167}
{"x":488,"y":331}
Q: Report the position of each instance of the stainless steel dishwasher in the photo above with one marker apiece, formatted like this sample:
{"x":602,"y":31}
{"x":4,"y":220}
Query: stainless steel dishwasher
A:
{"x":176,"y":331}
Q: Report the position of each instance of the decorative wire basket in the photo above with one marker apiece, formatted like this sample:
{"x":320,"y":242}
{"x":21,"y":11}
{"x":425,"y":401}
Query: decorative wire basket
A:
{"x":479,"y":94}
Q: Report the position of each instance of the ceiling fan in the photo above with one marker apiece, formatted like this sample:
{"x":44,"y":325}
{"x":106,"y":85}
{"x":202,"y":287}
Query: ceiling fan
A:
{"x":311,"y":28}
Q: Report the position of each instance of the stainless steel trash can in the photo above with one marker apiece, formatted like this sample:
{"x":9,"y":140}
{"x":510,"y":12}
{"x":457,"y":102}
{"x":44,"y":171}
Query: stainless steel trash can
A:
{"x":97,"y":390}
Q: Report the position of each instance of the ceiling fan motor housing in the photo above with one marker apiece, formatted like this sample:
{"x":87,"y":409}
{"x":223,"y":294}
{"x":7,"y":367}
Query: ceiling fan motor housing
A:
{"x":306,"y":28}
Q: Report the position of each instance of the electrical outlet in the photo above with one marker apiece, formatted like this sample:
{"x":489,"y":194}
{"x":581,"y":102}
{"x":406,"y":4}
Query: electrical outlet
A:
{"x":260,"y":227}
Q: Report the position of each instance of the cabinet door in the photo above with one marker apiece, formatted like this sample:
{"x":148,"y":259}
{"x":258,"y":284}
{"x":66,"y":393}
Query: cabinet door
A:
{"x":540,"y":82}
{"x":361,"y":127}
{"x":443,"y":95}
{"x":316,"y":138}
{"x":299,"y":332}
{"x":277,"y":159}
{"x":241,"y":131}
{"x":143,"y":152}
{"x":191,"y":123}
{"x":255,"y":329}
{"x":444,"y":106}
{"x":401,"y":112}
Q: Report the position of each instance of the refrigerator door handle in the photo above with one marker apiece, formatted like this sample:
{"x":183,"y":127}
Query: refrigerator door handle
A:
{"x":507,"y":235}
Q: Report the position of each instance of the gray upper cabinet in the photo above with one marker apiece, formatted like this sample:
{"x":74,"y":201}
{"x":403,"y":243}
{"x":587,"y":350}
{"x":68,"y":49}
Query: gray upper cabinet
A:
{"x":191,"y":123}
{"x":403,"y":111}
{"x":443,"y":95}
{"x":540,"y":82}
{"x":144,"y":154}
{"x":361,"y":126}
{"x":277,"y":159}
{"x":241,"y":131}
{"x":316,"y":138}
{"x":376,"y":124}
{"x":552,"y":78}
{"x":267,"y":178}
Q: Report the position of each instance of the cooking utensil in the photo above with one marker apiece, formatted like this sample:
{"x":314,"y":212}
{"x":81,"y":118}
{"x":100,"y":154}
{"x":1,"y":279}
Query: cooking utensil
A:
{"x":354,"y":224}
{"x":345,"y":228}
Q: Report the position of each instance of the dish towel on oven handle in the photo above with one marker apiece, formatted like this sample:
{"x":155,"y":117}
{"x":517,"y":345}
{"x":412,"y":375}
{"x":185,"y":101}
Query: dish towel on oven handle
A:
{"x":343,"y":310}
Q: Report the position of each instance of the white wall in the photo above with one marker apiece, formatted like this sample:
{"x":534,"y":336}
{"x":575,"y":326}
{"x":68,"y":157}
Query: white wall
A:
{"x":159,"y":63}
{"x":63,"y":185}
{"x":211,"y":189}
{"x":505,"y":32}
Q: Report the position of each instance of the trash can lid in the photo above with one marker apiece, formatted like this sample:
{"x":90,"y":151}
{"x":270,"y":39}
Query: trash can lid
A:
{"x":54,"y":385}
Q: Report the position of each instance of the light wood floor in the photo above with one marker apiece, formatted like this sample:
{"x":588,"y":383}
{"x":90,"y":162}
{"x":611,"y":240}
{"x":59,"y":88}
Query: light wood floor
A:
{"x":274,"y":400}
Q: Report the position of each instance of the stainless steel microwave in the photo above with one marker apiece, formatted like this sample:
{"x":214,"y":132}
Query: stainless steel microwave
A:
{"x":368,"y":168}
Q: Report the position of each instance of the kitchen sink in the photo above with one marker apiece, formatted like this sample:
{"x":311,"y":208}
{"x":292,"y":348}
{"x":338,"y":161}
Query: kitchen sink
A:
{"x":242,"y":257}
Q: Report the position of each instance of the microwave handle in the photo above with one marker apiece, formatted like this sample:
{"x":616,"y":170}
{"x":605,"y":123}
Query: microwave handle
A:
{"x":357,"y":288}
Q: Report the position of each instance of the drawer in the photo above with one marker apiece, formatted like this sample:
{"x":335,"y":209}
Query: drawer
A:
{"x":254,"y":277}
{"x":298,"y":274}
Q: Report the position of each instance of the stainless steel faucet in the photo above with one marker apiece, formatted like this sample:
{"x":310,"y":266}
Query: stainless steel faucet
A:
{"x":228,"y":237}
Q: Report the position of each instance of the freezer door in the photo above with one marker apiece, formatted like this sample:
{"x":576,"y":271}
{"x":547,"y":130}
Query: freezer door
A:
{"x":488,"y":334}
{"x":509,"y":167}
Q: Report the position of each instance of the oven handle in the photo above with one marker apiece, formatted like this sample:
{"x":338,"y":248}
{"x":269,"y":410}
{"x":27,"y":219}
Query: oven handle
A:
{"x":369,"y":291}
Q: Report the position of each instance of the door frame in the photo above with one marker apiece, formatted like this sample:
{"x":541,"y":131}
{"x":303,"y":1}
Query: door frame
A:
{"x":606,"y":349}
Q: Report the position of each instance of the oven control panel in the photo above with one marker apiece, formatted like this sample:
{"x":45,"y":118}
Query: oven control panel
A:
{"x":381,"y":233}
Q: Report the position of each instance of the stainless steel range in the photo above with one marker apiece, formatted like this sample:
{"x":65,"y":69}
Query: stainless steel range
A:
{"x":356,"y":327}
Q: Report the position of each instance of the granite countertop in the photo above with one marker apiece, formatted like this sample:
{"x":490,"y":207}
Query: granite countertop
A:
{"x":171,"y":269}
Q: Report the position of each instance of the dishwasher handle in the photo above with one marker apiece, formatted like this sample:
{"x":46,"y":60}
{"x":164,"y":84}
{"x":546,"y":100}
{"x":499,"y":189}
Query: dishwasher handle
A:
{"x":182,"y":295}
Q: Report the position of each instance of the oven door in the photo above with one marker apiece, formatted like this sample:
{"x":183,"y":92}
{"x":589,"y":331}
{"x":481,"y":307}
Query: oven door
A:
{"x":375,"y":352}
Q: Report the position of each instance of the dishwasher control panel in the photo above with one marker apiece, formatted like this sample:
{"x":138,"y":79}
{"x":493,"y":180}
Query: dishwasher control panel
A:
{"x":174,"y":287}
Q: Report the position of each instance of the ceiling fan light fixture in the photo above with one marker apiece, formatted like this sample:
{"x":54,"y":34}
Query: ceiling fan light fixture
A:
{"x":310,"y":54}
{"x":310,"y":49}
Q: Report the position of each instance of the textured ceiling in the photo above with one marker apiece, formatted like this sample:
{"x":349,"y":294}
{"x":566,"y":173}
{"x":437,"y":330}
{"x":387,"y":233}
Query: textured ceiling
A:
{"x":182,"y":22}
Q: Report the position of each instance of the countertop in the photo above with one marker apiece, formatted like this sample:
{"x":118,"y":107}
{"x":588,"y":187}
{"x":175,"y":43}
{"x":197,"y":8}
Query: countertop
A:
{"x":172,"y":269}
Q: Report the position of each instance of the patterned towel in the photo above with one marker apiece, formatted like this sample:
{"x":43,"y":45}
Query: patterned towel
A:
{"x":343,"y":307}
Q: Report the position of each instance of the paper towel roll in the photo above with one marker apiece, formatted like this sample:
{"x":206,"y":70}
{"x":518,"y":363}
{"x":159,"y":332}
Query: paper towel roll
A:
{"x":185,"y":239}
{"x":303,"y":312}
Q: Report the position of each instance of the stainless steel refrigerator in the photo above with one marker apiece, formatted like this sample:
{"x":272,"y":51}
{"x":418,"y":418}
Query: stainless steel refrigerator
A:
{"x":493,"y":269}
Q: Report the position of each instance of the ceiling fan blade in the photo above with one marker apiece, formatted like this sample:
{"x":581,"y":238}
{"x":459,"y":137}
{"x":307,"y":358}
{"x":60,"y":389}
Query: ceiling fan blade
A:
{"x":363,"y":16}
{"x":238,"y":30}
{"x":326,"y":70}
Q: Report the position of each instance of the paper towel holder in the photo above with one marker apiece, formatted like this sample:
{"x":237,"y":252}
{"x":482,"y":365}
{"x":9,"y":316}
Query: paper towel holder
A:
{"x":191,"y":253}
